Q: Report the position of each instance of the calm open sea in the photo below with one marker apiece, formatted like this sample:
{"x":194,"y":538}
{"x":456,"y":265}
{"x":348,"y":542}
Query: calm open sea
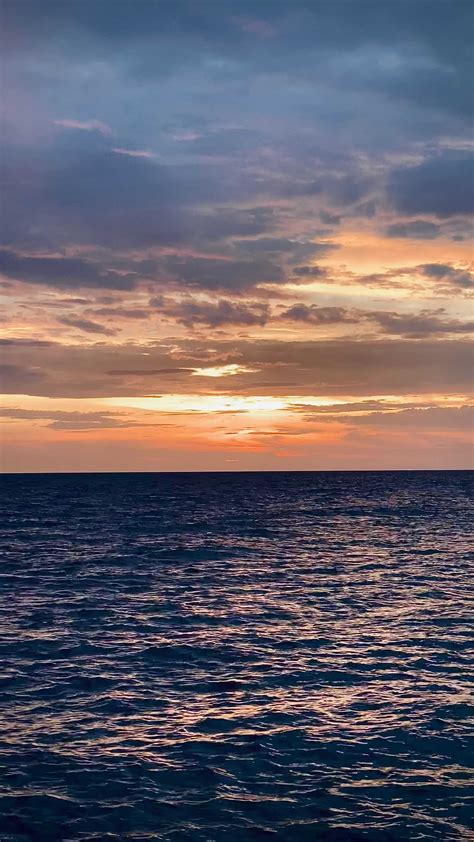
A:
{"x":236,"y":657}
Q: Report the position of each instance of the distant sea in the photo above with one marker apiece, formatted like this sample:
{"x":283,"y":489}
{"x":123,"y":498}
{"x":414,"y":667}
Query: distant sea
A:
{"x":281,"y":656}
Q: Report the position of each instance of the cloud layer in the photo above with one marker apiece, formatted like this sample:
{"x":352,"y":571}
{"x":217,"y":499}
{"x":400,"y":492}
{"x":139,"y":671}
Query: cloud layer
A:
{"x":247,"y":200}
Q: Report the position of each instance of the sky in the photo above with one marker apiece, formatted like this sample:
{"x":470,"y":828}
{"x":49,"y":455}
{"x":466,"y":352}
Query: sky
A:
{"x":237,"y":235}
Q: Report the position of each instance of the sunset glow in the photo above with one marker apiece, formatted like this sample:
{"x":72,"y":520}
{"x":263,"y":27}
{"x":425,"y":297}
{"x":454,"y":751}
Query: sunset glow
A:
{"x":274,"y":246}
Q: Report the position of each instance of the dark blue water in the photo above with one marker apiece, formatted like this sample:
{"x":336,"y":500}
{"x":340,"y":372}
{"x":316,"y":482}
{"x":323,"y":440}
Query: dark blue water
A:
{"x":236,"y":657}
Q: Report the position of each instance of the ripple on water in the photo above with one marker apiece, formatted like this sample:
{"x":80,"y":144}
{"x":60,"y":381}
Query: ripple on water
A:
{"x":250,"y":656}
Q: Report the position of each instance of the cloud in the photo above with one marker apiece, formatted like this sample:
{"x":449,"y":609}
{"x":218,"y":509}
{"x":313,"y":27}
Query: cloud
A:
{"x":411,"y":325}
{"x":85,"y":125}
{"x":342,"y":190}
{"x":214,"y":225}
{"x":416,"y":229}
{"x":149,"y":372}
{"x":382,"y":414}
{"x":459,"y":418}
{"x":441,"y":185}
{"x":73,"y":421}
{"x":79,"y":191}
{"x":122,"y":312}
{"x":134,"y":153}
{"x":329,"y":218}
{"x":87,"y":326}
{"x":443,"y":278}
{"x":313,"y":411}
{"x":309,"y":271}
{"x":287,"y":138}
{"x":62,"y":272}
{"x":255,"y":26}
{"x":312,"y":314}
{"x":440,"y":32}
{"x":283,"y":132}
{"x":215,"y":273}
{"x":335,"y":367}
{"x":414,"y":326}
{"x":14,"y":374}
{"x":218,"y":314}
{"x":292,"y":250}
{"x":449,"y":275}
{"x":25,"y":342}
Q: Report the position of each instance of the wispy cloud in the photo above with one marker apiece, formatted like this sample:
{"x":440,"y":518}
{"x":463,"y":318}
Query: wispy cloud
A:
{"x":84,"y":125}
{"x":134,"y":153}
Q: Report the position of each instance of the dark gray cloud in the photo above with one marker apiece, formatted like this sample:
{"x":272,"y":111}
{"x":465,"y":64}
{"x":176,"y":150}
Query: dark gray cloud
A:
{"x":267,"y":113}
{"x":74,"y":421}
{"x":415,"y":326}
{"x":224,"y":27}
{"x":311,"y":411}
{"x":412,"y":325}
{"x":87,"y":326}
{"x":243,"y":265}
{"x":312,"y":314}
{"x":309,"y":271}
{"x":22,"y":378}
{"x":453,"y":418}
{"x":218,"y":274}
{"x":25,"y":342}
{"x":149,"y":372}
{"x":449,"y":275}
{"x":263,"y":260}
{"x":345,"y":366}
{"x":444,"y":278}
{"x":416,"y":229}
{"x":329,"y":218}
{"x":241,"y":116}
{"x":122,"y":312}
{"x":326,"y":367}
{"x":235,"y":222}
{"x":292,"y":250}
{"x":446,"y":29}
{"x":442,"y":185}
{"x":342,"y":190}
{"x":78,"y":190}
{"x":218,"y":314}
{"x":62,"y":272}
{"x":385,"y":414}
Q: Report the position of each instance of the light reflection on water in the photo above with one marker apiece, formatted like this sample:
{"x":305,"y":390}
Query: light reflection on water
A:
{"x":243,"y":656}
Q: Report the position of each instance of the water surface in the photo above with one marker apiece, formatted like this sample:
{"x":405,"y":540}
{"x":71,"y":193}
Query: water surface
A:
{"x":236,"y":657}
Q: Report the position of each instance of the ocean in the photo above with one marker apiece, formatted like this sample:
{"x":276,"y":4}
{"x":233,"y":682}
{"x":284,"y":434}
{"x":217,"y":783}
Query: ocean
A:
{"x":250,"y":656}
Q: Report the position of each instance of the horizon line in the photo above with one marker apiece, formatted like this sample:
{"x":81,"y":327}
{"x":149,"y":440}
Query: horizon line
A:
{"x":246,"y":471}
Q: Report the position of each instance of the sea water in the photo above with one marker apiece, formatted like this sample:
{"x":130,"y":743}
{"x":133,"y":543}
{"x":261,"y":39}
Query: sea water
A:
{"x":236,"y":657}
